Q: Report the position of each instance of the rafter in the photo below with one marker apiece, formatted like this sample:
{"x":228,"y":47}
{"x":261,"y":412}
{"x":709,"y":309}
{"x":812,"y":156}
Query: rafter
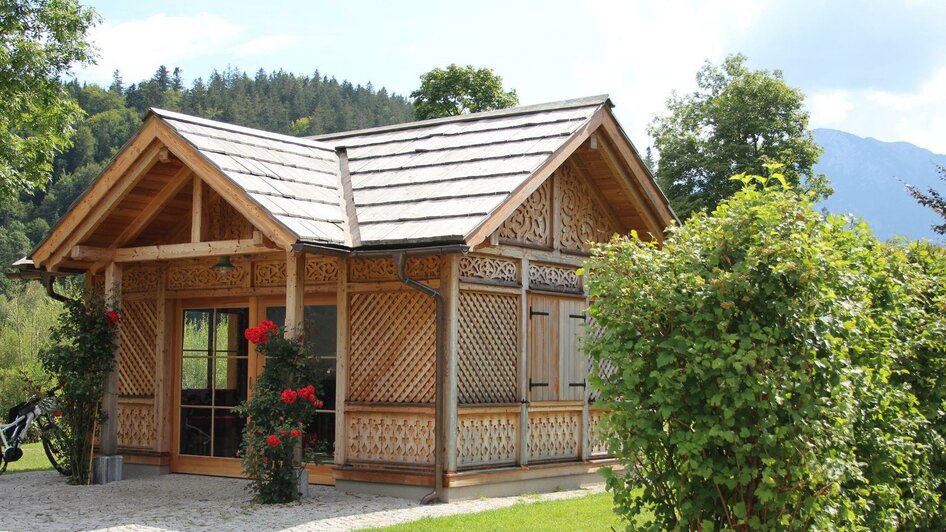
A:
{"x":154,"y":207}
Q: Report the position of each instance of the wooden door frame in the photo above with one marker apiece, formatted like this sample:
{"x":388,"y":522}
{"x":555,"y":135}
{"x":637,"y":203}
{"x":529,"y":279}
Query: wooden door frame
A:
{"x":202,"y":465}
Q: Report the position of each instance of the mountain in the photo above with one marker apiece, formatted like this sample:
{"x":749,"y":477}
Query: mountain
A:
{"x":864,"y":173}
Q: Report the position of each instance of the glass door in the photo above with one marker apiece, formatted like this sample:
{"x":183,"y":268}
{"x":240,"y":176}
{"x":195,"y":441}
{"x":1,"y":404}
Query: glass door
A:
{"x":214,"y":378}
{"x":320,"y":322}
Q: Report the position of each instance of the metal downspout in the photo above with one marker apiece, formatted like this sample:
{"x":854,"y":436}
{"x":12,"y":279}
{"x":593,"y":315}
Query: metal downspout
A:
{"x":47,"y":281}
{"x":440,"y":364}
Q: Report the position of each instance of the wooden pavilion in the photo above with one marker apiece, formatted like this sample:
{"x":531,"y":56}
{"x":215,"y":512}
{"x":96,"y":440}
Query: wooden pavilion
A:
{"x":432,"y":265}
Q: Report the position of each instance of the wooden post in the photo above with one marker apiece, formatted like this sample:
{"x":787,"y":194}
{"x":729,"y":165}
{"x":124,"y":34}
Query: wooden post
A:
{"x":295,"y":279}
{"x":108,"y":443}
{"x":450,"y":288}
{"x":341,"y":361}
{"x":161,"y":367}
{"x":197,"y":210}
{"x":523,"y":366}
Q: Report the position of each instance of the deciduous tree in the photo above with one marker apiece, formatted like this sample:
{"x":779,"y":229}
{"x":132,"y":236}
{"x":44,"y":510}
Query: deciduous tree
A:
{"x":40,"y":40}
{"x":737,"y":120}
{"x":456,"y":90}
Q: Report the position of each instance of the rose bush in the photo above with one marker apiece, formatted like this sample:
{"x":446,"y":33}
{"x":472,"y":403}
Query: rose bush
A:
{"x":275,"y":444}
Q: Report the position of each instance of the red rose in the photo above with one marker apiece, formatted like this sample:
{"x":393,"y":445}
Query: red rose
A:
{"x":267,"y":326}
{"x":57,"y":413}
{"x":272,"y":441}
{"x":289,"y":396}
{"x":318,"y":404}
{"x":265,"y":460}
{"x":112,"y":318}
{"x":295,"y":433}
{"x":238,"y":454}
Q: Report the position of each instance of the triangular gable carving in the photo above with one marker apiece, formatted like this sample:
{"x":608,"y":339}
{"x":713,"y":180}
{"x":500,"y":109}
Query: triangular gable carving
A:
{"x":582,"y":216}
{"x":531,"y":223}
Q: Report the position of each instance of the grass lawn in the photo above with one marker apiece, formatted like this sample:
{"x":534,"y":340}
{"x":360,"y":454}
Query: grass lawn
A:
{"x":584,"y":513}
{"x":34,"y":459}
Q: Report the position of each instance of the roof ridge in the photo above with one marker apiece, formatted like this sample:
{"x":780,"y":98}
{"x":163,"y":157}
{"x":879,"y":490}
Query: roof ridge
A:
{"x":509,"y":111}
{"x":261,"y":133}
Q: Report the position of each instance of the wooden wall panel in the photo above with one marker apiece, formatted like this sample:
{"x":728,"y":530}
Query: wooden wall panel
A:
{"x":531,"y":223}
{"x":488,"y":346}
{"x":574,"y":373}
{"x":137,"y":339}
{"x":543,"y":348}
{"x":391,"y":351}
{"x":584,"y":217}
{"x":391,"y":435}
{"x":488,"y":437}
{"x":554,"y":434}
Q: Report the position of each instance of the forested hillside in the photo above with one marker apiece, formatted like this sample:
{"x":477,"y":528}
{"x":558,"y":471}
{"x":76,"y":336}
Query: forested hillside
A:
{"x":274,"y":101}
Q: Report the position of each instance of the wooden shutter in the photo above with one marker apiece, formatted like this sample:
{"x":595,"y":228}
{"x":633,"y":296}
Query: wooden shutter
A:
{"x":543,"y":369}
{"x":574,"y":373}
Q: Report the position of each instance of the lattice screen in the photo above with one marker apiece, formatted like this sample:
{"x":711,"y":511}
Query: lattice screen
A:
{"x":392,"y":350}
{"x":488,"y":343}
{"x":136,"y":358}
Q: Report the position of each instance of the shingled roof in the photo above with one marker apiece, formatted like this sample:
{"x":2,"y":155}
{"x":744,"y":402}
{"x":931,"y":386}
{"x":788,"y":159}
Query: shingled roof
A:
{"x":436,"y":182}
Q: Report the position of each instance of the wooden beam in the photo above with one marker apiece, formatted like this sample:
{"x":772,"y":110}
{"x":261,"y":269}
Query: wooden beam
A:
{"x":237,"y":197}
{"x":523,"y":433}
{"x":191,"y":250}
{"x":341,"y":361}
{"x":295,"y":280}
{"x":450,"y":288}
{"x":108,"y":441}
{"x":197,"y":210}
{"x":630,"y":185}
{"x":99,"y":189}
{"x":154,"y":207}
{"x":93,"y":218}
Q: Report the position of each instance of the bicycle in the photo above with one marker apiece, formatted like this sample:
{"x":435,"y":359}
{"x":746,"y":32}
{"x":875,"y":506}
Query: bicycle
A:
{"x":21,"y":417}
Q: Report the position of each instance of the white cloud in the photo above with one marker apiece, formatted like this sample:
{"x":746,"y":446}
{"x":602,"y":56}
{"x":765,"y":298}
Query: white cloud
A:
{"x":138,"y":47}
{"x":652,"y":48}
{"x":915,"y":116}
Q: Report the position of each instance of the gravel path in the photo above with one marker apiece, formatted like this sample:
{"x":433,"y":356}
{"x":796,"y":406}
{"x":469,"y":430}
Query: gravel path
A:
{"x":43,"y":501}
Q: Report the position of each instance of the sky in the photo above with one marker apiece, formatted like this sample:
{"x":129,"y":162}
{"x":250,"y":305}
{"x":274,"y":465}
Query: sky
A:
{"x":872,"y":68}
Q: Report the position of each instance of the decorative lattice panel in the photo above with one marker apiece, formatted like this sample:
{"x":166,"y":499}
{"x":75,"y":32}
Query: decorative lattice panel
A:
{"x":136,"y":426}
{"x":386,"y":269}
{"x":494,"y":269}
{"x":392,"y":347}
{"x":136,"y":357}
{"x":487,"y":347}
{"x":201,"y":275}
{"x":531,"y":223}
{"x":554,"y":435}
{"x":584,"y":218}
{"x":556,"y":278}
{"x":140,"y":279}
{"x":403,"y":438}
{"x":487,"y":439}
{"x":597,"y":445}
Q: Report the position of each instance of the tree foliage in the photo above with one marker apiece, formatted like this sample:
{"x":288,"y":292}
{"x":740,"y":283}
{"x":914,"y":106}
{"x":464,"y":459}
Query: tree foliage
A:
{"x":40,"y":40}
{"x":456,"y":90}
{"x":932,"y":200}
{"x":758,"y":367}
{"x":736,"y":121}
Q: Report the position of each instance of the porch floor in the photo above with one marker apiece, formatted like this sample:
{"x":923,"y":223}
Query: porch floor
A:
{"x":42,"y":500}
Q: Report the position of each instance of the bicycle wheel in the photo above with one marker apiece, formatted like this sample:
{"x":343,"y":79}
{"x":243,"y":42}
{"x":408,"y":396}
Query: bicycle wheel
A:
{"x":54,"y":443}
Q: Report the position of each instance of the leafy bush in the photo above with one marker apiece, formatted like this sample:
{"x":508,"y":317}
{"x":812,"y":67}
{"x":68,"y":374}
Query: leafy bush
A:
{"x":81,"y":361}
{"x":283,"y":404}
{"x":753,"y":365}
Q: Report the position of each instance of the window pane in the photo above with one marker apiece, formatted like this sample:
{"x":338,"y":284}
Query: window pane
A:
{"x":230,"y":380}
{"x":195,"y":431}
{"x":196,"y":330}
{"x":228,"y":431}
{"x":320,"y":333}
{"x":195,"y":384}
{"x":229,"y":327}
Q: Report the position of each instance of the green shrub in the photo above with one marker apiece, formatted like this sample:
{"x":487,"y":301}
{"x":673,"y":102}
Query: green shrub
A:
{"x":750,"y":364}
{"x":283,"y":404}
{"x":81,"y":360}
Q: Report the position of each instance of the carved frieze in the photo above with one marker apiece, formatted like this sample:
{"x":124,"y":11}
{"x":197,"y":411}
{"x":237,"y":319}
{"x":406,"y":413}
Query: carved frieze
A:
{"x":555,"y":278}
{"x":489,"y":269}
{"x":531,"y":223}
